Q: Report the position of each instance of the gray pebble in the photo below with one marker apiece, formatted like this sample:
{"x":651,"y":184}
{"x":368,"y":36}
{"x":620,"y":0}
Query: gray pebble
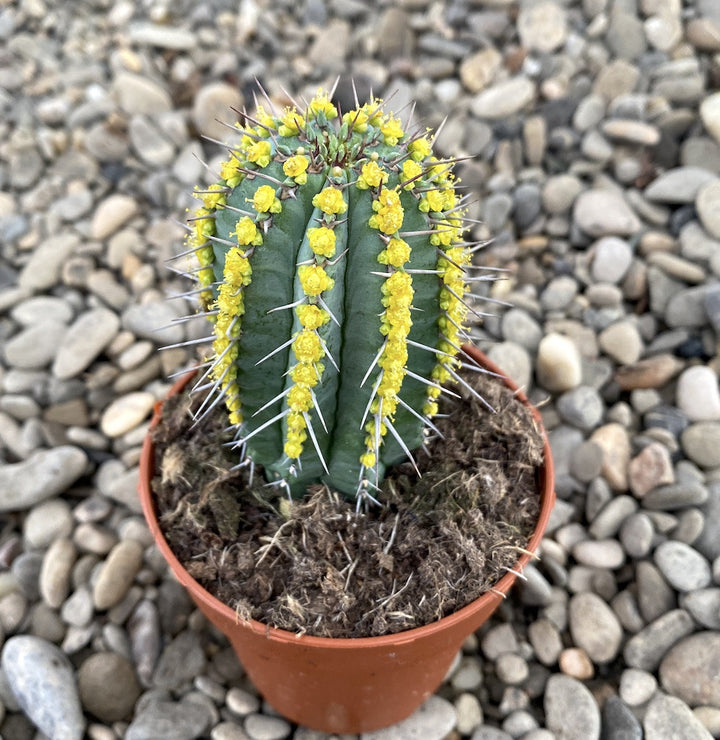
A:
{"x":180,"y":661}
{"x":647,"y":648}
{"x":178,"y":720}
{"x":570,"y":709}
{"x":619,"y":721}
{"x":432,"y":721}
{"x":678,"y":185}
{"x":43,"y":475}
{"x":636,"y":535}
{"x":611,"y":261}
{"x":594,"y":627}
{"x":42,"y":680}
{"x":704,"y":605}
{"x":668,"y":718}
{"x":84,"y":341}
{"x":582,"y":407}
{"x":684,"y":568}
{"x":637,"y":687}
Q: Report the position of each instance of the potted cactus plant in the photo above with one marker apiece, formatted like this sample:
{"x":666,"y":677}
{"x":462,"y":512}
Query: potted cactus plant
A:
{"x":332,"y":264}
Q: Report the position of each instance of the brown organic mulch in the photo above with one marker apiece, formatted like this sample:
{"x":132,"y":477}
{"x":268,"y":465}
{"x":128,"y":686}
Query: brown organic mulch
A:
{"x":318,"y":567}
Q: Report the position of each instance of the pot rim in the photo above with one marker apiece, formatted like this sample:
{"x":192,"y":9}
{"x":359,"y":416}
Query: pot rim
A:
{"x":547,"y":500}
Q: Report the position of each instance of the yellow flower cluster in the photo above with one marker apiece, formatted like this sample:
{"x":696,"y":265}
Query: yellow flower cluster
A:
{"x":420,"y":148}
{"x":290,"y":122}
{"x":395,"y":323}
{"x":230,"y":304}
{"x":306,"y":375}
{"x":198,"y":239}
{"x":311,"y":316}
{"x":247,"y":232}
{"x":260,"y":153}
{"x":411,"y":171}
{"x":371,"y":176}
{"x":396,"y":254}
{"x":314,"y":280}
{"x":321,"y":104}
{"x":296,"y":167}
{"x":392,"y":130}
{"x":370,"y":113}
{"x":265,"y":201}
{"x":266,"y":123}
{"x":450,"y":300}
{"x":229,"y":172}
{"x":330,"y":200}
{"x":322,"y":241}
{"x":388,"y":216}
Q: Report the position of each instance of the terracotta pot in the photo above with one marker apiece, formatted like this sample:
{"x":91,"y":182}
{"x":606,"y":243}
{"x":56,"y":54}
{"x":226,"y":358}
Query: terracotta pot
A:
{"x":347,"y":685}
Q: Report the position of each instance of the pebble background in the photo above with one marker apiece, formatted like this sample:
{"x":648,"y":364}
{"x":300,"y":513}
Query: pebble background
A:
{"x":594,"y":132}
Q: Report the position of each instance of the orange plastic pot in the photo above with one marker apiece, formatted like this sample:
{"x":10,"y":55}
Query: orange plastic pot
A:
{"x":347,"y":685}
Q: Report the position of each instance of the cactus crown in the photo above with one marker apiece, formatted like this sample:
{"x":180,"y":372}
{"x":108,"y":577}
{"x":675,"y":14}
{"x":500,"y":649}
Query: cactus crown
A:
{"x":333,"y":267}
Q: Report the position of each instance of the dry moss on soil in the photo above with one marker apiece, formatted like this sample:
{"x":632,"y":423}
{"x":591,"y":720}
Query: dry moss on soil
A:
{"x":317,"y":566}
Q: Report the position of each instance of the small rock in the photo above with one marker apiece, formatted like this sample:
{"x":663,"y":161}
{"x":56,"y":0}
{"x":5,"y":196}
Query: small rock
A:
{"x":678,"y":185}
{"x":594,"y":627}
{"x":263,"y":727}
{"x":513,"y":360}
{"x":653,"y":372}
{"x":676,"y":496}
{"x":611,"y":260}
{"x":112,"y":213}
{"x":614,"y":442}
{"x":619,"y":721}
{"x":707,"y":204}
{"x":125,"y":413}
{"x":180,"y":661}
{"x":503,"y":99}
{"x":634,"y":132}
{"x":138,"y":95}
{"x":605,"y":553}
{"x":570,"y":709}
{"x":698,"y":395}
{"x":478,"y":70}
{"x":166,"y":719}
{"x":43,"y":475}
{"x":651,"y":468}
{"x":432,"y":721}
{"x":604,"y":213}
{"x":152,"y":321}
{"x":55,"y":573}
{"x":582,"y":407}
{"x":558,"y":363}
{"x":637,"y":687}
{"x":542,"y":26}
{"x":684,"y":568}
{"x":43,"y":682}
{"x":212,"y":105}
{"x":559,"y":193}
{"x":469,"y":713}
{"x":704,"y":605}
{"x":395,"y":36}
{"x":622,"y":342}
{"x":669,"y":718}
{"x":47,"y":522}
{"x":35,"y":347}
{"x":108,"y":686}
{"x":162,"y":36}
{"x":150,"y":142}
{"x":710,"y":115}
{"x":84,"y":341}
{"x":117,"y":574}
{"x":701,"y":442}
{"x":646,"y":649}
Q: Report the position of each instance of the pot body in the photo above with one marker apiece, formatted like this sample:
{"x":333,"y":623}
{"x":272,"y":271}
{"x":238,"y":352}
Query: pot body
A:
{"x":347,"y":685}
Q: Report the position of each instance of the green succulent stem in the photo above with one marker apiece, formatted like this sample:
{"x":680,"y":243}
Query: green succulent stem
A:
{"x":332,"y":263}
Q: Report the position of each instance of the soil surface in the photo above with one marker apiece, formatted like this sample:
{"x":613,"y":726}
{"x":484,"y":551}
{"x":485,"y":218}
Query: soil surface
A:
{"x":319,"y":567}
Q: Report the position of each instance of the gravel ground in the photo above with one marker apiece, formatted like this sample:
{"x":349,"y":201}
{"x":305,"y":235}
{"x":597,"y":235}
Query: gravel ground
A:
{"x":594,"y":132}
